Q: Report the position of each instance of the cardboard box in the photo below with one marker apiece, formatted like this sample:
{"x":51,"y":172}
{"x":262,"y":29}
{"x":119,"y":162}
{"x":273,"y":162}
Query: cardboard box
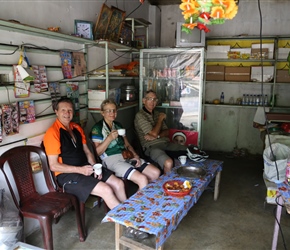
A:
{"x":282,"y":75}
{"x":269,"y":46}
{"x":95,"y":94}
{"x":237,"y":74}
{"x":256,"y":73}
{"x":283,"y":53}
{"x":217,"y":51}
{"x":272,"y":191}
{"x":215,"y":73}
{"x":94,"y":104}
{"x":92,"y":201}
{"x":256,"y":53}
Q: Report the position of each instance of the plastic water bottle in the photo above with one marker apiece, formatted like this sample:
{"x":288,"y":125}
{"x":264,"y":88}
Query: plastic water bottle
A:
{"x":247,"y":100}
{"x":244,"y":99}
{"x":254,"y":99}
{"x":266,"y":100}
{"x":251,"y":100}
{"x":257,"y":100}
{"x":222,"y":98}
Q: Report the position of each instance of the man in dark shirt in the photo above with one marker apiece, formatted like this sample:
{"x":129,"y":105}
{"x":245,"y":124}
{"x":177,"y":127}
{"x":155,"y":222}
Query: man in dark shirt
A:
{"x":153,"y":134}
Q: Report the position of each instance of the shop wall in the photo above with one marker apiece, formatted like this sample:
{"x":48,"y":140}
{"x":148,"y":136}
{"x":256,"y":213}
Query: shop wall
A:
{"x":225,"y":128}
{"x":43,"y":14}
{"x":247,"y":21}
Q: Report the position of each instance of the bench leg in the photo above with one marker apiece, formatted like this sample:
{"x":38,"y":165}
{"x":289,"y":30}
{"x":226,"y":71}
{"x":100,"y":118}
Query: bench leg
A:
{"x":118,"y":234}
{"x":217,"y":185}
{"x":277,"y":222}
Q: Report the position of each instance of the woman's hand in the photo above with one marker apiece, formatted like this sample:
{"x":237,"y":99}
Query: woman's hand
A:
{"x":138,"y":164}
{"x":113,"y":135}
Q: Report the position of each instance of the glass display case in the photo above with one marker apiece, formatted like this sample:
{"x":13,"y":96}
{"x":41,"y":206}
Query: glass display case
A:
{"x":176,"y":75}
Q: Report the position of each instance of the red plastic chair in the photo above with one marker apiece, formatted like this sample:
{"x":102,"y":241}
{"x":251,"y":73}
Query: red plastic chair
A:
{"x":46,"y":208}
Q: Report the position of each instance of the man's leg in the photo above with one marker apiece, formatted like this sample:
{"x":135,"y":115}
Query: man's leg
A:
{"x":106,"y":192}
{"x":158,"y":155}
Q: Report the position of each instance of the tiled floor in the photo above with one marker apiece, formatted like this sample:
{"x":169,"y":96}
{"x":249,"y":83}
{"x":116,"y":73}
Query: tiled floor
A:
{"x":239,"y":219}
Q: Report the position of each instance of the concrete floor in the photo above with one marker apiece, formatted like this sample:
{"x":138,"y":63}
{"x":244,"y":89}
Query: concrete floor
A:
{"x":237,"y":220}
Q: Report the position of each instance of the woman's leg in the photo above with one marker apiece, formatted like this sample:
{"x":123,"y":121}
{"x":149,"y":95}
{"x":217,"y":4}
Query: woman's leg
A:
{"x":151,"y":172}
{"x":140,"y":179}
{"x":118,"y":186}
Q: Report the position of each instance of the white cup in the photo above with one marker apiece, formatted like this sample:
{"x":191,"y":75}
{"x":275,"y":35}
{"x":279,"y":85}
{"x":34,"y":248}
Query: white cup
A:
{"x":97,"y":168}
{"x":182,"y":159}
{"x":121,"y":131}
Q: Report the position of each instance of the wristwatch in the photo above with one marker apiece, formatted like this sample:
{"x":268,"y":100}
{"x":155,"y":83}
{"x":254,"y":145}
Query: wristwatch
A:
{"x":158,"y":136}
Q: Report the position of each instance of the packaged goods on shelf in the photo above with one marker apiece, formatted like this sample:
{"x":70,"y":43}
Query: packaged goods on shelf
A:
{"x":215,"y":73}
{"x":269,"y":46}
{"x":234,"y":54}
{"x":237,"y":74}
{"x":257,"y":54}
{"x":283,"y":53}
{"x":256,"y":73}
{"x":282,"y":75}
{"x":239,"y":53}
{"x":175,"y":104}
{"x":218,"y":51}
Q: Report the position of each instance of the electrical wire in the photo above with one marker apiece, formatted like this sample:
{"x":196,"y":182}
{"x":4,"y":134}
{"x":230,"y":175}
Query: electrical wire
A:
{"x":262,"y":91}
{"x":267,"y":127}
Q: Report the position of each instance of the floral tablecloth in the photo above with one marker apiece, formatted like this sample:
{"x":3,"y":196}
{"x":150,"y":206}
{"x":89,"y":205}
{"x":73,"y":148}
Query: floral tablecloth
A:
{"x":284,"y":191}
{"x":153,"y":211}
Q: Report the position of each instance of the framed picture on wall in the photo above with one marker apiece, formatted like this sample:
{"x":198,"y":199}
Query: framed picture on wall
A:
{"x":116,"y":24}
{"x":140,"y":41}
{"x":126,"y":34}
{"x":102,"y":22}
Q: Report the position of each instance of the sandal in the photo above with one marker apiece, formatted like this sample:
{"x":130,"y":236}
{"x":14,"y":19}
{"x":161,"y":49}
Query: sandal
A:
{"x":135,"y":233}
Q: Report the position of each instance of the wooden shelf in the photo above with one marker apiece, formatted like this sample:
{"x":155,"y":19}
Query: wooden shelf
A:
{"x":278,"y":117}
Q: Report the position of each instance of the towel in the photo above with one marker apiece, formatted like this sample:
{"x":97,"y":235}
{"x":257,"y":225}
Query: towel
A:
{"x":260,"y":115}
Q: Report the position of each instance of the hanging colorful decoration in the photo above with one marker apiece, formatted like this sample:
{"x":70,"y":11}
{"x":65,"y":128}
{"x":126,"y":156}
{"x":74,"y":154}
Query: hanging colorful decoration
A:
{"x":200,"y":13}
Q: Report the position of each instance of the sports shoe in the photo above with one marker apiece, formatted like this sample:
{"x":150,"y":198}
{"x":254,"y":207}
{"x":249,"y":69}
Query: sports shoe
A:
{"x":135,"y":233}
{"x":192,"y":149}
{"x":195,"y":154}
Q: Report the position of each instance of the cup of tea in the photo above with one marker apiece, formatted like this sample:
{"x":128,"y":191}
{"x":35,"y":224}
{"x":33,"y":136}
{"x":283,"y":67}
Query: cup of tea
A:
{"x":182,"y":159}
{"x":121,"y":131}
{"x":97,"y":168}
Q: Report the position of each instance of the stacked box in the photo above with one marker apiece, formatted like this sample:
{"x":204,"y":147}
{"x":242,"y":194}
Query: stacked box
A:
{"x":283,"y":53}
{"x":282,"y":75}
{"x":217,"y":51}
{"x":96,"y":97}
{"x":257,"y":54}
{"x":269,"y":46}
{"x":237,"y":74}
{"x":256,"y":73}
{"x":215,"y":73}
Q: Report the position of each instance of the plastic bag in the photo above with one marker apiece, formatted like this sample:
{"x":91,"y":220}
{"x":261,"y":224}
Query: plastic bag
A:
{"x":281,"y":152}
{"x":11,"y":226}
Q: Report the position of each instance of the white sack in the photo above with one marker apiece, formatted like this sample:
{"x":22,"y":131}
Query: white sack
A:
{"x":281,"y":152}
